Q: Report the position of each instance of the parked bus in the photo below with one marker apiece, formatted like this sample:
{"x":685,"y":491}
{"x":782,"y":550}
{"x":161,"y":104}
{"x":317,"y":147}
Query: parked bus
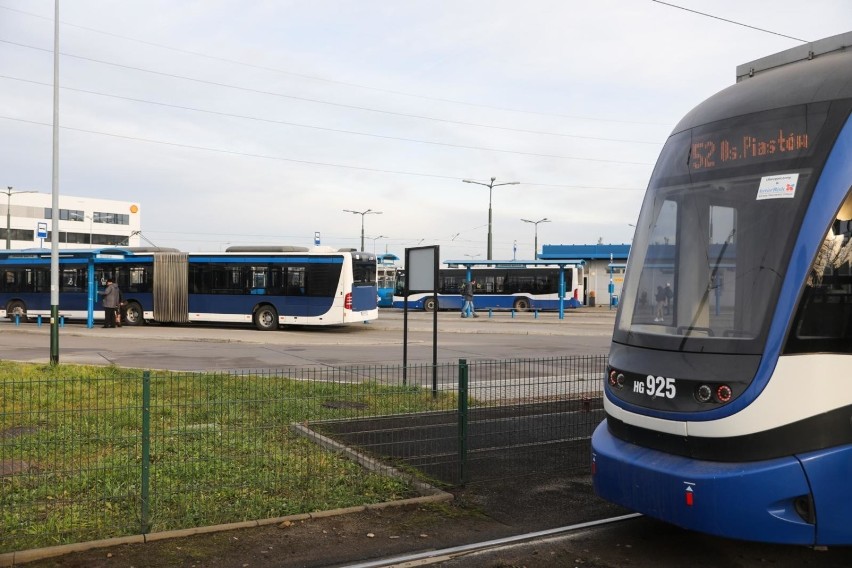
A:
{"x":265,"y":286}
{"x":386,"y":271}
{"x":517,"y":287}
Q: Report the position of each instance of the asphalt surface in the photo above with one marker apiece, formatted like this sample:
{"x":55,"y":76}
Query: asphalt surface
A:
{"x":194,"y":347}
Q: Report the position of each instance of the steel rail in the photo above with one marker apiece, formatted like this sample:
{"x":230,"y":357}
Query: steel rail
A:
{"x":433,"y":556}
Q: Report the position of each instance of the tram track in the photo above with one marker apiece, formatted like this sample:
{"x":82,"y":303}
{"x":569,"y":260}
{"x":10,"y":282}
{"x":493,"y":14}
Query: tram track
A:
{"x":432,"y":557}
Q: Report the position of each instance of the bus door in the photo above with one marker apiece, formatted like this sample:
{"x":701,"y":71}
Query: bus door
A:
{"x":296,"y":296}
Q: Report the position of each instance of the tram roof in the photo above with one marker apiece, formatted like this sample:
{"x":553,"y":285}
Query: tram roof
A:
{"x":819,"y":77}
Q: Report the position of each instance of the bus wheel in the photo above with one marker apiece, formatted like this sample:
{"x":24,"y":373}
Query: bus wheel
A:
{"x":132,"y":314}
{"x":18,"y":308}
{"x":522,"y":304}
{"x":429,"y":304}
{"x":266,"y":318}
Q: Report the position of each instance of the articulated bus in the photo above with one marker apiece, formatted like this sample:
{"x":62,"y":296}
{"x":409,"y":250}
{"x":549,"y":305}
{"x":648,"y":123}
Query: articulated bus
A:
{"x":510,"y":287}
{"x":729,"y":412}
{"x":266,"y":286}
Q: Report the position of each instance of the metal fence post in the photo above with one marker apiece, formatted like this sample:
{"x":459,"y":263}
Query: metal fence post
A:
{"x":463,"y":418}
{"x":146,"y":447}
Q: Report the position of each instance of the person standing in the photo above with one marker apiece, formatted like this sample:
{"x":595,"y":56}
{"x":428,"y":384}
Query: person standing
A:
{"x":660,"y":298}
{"x":112,"y":300}
{"x":669,"y":297}
{"x":468,"y":309}
{"x":463,"y":291}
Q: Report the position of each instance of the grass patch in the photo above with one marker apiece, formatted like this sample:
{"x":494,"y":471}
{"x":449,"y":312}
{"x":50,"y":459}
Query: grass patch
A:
{"x":221,"y":449}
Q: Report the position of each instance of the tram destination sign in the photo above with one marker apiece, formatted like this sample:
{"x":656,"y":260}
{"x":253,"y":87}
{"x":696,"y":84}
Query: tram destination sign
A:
{"x":732,"y":147}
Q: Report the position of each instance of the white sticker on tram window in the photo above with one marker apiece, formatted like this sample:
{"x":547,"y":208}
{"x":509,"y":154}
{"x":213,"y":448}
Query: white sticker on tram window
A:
{"x":777,"y":187}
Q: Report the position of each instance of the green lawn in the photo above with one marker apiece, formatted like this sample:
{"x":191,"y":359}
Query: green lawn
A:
{"x":220,"y":449}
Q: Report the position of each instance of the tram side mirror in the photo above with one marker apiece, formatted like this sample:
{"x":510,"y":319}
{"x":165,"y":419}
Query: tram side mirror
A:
{"x":843,"y":228}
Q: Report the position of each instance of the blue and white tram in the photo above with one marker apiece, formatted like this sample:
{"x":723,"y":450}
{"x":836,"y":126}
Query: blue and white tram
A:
{"x":729,"y":407}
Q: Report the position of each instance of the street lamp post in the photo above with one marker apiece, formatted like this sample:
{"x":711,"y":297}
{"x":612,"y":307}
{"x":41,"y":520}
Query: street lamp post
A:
{"x":362,"y":214}
{"x":9,"y":193}
{"x":545,"y":220}
{"x":490,"y":187}
{"x":374,"y":241}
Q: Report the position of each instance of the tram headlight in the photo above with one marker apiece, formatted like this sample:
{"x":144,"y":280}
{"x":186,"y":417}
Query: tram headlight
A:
{"x":704,"y":393}
{"x":724,"y":393}
{"x":619,"y":380}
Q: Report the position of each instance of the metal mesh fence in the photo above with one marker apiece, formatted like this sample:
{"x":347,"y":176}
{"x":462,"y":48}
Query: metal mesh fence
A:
{"x":523,"y":417}
{"x":121,"y":453}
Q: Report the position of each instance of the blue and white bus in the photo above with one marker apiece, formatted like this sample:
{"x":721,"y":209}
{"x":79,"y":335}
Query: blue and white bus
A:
{"x":265,"y":286}
{"x":511,"y":286}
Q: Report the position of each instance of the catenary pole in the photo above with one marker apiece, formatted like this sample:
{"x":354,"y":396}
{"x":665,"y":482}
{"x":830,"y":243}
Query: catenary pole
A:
{"x":54,"y":234}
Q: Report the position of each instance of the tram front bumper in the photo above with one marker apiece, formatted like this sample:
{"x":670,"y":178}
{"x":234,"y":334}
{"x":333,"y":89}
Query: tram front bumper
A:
{"x":748,"y":500}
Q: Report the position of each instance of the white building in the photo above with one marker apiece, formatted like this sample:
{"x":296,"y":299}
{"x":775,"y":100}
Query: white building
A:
{"x":84,"y":222}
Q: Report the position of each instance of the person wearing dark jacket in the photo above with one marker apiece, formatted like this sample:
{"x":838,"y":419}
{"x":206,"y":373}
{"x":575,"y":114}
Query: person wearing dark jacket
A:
{"x":468,"y":309}
{"x":112,"y":300}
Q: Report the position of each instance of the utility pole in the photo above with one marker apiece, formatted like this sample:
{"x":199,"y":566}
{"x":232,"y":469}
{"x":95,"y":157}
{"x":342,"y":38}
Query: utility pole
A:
{"x":490,"y":187}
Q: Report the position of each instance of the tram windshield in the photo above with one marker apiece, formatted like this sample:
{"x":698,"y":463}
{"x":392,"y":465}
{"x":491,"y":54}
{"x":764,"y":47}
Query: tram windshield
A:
{"x":714,"y":235}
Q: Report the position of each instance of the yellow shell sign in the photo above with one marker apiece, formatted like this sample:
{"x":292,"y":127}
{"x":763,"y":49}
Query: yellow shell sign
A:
{"x":134,"y":208}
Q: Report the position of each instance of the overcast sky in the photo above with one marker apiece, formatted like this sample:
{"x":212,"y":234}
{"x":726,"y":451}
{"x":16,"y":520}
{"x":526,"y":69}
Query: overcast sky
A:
{"x":236,"y":122}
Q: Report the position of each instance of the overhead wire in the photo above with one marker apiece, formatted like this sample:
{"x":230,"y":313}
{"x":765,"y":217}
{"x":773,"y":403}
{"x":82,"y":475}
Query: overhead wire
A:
{"x":325,"y":79}
{"x":729,"y":21}
{"x":317,"y":101}
{"x":320,"y":101}
{"x":336,"y":130}
{"x":291,"y":160}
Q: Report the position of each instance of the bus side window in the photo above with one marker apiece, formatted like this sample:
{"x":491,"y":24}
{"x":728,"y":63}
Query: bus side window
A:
{"x":295,"y":280}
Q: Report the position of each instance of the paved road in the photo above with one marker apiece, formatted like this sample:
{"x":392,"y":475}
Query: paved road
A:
{"x":585,"y":331}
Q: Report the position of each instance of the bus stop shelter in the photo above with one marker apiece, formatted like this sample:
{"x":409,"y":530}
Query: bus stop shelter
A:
{"x":88,"y":257}
{"x":561,"y":264}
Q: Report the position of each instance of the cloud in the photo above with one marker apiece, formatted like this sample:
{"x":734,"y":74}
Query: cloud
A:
{"x":573,"y":99}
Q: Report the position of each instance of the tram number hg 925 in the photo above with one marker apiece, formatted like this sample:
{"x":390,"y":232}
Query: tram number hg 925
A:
{"x":656,"y":387}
